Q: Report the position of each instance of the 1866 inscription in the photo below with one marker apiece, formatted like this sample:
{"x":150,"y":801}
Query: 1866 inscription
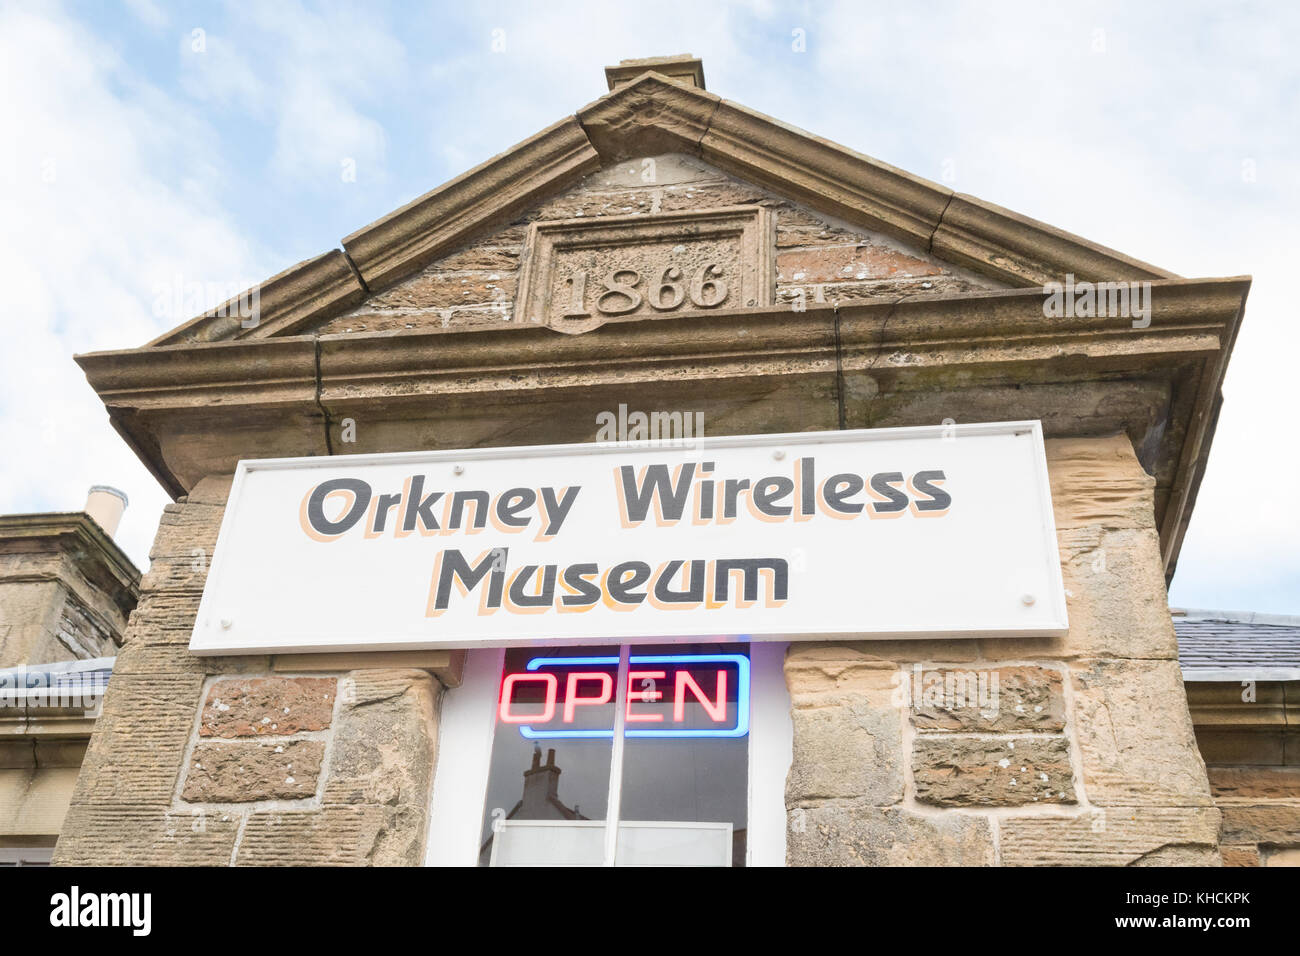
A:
{"x":621,"y":295}
{"x":579,"y":273}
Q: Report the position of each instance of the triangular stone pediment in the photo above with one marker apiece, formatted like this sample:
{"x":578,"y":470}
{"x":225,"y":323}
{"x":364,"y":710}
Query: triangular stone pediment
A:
{"x":842,"y":227}
{"x":814,"y":258}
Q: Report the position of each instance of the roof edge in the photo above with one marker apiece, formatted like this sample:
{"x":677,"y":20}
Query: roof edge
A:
{"x":391,"y":247}
{"x":279,"y":306}
{"x":1222,"y":675}
{"x":1193,"y":615}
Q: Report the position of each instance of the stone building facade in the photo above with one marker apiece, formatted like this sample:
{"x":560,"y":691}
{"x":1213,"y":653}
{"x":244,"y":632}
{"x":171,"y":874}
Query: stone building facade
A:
{"x":858,"y":296}
{"x":1242,"y":673}
{"x":66,"y":592}
{"x":66,"y":589}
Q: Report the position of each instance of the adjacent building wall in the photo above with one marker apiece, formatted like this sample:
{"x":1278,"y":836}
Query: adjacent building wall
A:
{"x":1248,"y":734}
{"x":66,"y":589}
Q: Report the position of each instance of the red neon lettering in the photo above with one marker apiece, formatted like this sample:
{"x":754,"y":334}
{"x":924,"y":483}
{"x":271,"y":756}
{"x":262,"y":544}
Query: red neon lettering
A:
{"x":643,"y":695}
{"x":571,"y":698}
{"x":507,"y":690}
{"x":717,"y":711}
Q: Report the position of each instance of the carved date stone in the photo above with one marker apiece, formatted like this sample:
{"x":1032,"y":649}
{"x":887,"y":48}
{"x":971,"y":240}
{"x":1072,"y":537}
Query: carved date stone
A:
{"x":579,"y":274}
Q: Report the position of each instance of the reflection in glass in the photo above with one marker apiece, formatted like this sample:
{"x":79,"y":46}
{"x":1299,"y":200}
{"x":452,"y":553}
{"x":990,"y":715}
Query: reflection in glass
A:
{"x":690,"y":779}
{"x":569,"y":779}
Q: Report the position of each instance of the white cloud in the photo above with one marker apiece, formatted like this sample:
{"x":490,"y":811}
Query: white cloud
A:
{"x":518,"y":68}
{"x":215,"y":70}
{"x":320,"y":133}
{"x":105,"y":197}
{"x":324,"y":74}
{"x":147,"y":12}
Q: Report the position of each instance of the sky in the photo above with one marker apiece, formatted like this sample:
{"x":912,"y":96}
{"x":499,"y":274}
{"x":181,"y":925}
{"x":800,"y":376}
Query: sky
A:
{"x":149,"y":144}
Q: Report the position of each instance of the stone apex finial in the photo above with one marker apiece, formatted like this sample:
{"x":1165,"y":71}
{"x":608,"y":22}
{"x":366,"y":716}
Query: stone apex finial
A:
{"x":682,"y":67}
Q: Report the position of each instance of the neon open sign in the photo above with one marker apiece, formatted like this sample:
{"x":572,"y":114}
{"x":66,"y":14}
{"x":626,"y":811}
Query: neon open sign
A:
{"x":667,"y":695}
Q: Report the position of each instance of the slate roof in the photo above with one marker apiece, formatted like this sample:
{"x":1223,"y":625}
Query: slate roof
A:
{"x":1231,"y":646}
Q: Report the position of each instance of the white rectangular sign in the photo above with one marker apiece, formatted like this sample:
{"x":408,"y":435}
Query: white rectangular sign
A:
{"x":942,"y":531}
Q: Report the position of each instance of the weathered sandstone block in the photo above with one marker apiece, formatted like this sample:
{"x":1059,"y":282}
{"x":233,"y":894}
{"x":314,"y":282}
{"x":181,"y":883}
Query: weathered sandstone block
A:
{"x":978,"y":772}
{"x":117,"y":835}
{"x":138,"y":749}
{"x":1114,"y":836}
{"x":1255,"y":783}
{"x":185,"y":526}
{"x":438,"y":290}
{"x":1135,"y":735}
{"x":332,"y":836}
{"x":849,"y":263}
{"x":1277,"y":823}
{"x":871,"y":836}
{"x":251,"y":707}
{"x":1110,"y":557}
{"x":1240,"y":855}
{"x":848,"y":727}
{"x":1098,"y":482}
{"x":986,"y":698}
{"x":245,"y":772}
{"x":385,"y":739}
{"x":852,"y":749}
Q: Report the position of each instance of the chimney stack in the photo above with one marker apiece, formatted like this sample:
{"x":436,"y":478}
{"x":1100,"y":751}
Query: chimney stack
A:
{"x":106,"y":505}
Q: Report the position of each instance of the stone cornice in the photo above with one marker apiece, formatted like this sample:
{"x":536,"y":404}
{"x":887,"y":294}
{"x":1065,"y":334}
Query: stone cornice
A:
{"x":925,"y":331}
{"x":654,"y":113}
{"x":1022,"y":251}
{"x":1189,"y":315}
{"x":28,"y":722}
{"x":1218,"y":706}
{"x":266,"y":372}
{"x":823,"y":174}
{"x":75,"y":534}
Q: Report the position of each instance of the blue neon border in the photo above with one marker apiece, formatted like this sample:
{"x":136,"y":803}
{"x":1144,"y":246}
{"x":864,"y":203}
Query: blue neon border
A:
{"x":742,"y":695}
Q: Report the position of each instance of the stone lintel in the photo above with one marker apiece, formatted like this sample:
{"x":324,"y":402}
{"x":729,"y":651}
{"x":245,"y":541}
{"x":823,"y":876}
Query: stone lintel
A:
{"x":446,"y":665}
